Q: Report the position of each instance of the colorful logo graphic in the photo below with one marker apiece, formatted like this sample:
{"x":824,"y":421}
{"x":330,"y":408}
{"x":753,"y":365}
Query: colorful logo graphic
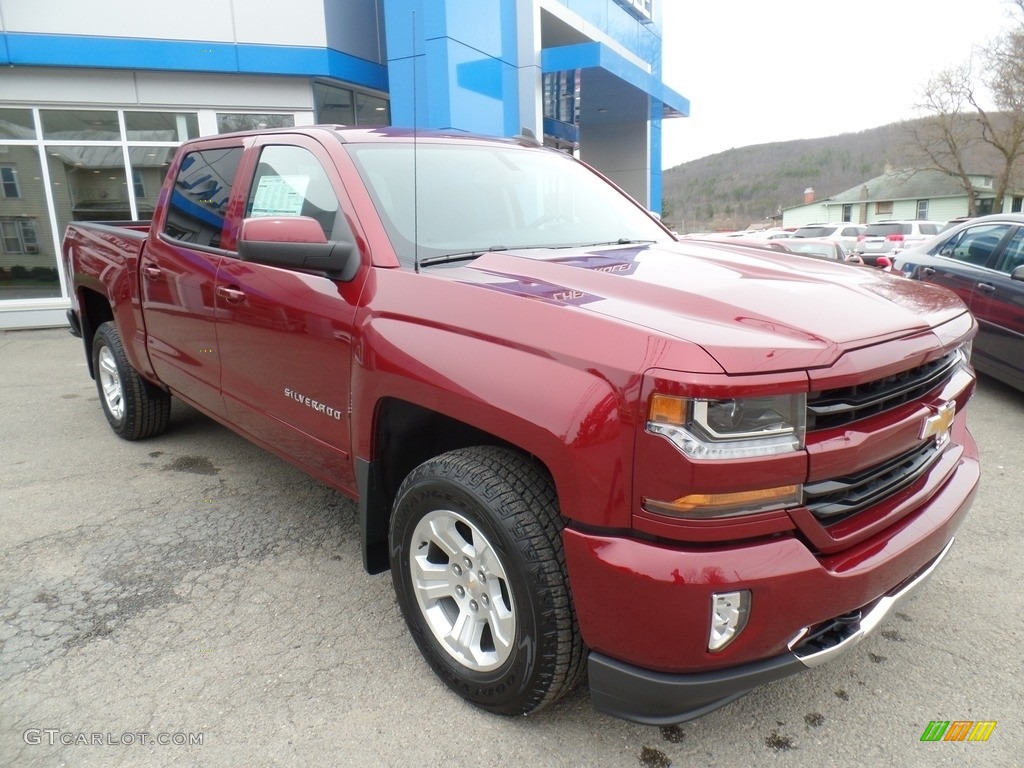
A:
{"x":958,"y":730}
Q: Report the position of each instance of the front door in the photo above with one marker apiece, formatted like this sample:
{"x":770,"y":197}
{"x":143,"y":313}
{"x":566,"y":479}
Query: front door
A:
{"x":285,"y":336}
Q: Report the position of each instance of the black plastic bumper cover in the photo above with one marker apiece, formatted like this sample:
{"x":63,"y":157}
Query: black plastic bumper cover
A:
{"x":659,"y":698}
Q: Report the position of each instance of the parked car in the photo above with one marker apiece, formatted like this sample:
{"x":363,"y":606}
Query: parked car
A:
{"x":982,"y":261}
{"x":743,"y":234}
{"x":822,"y":247}
{"x":843,"y":231}
{"x":884,"y":238}
{"x":775,"y":233}
{"x":953,"y":222}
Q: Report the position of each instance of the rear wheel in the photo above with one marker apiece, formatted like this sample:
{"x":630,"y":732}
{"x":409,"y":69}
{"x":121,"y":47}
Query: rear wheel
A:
{"x":134,"y":408}
{"x":478,"y":568}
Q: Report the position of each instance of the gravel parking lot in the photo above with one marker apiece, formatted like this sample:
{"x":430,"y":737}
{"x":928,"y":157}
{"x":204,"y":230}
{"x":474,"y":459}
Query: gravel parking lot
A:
{"x":192,"y":600}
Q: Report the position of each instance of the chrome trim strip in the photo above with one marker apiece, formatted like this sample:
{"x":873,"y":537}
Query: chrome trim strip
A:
{"x":870,"y":621}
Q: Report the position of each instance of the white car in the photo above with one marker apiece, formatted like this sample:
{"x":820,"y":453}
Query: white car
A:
{"x":843,"y":231}
{"x":884,"y":238}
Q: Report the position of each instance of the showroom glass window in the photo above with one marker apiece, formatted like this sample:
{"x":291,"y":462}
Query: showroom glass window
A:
{"x":64,"y":165}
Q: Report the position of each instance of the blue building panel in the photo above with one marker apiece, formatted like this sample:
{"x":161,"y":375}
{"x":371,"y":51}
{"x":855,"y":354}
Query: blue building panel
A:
{"x":489,"y":27}
{"x":457,"y":59}
{"x":596,"y":55}
{"x":190,"y":56}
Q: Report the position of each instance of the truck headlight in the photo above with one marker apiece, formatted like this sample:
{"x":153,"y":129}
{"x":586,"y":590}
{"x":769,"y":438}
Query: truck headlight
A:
{"x":735,"y":428}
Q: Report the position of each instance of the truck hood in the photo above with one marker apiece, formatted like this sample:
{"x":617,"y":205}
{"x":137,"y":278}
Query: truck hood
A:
{"x":751,"y":309}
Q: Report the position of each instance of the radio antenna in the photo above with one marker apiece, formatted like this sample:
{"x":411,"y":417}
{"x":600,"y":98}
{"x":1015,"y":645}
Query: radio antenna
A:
{"x":415,"y":167}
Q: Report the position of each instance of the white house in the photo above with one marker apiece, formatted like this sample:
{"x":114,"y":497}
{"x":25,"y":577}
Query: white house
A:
{"x":900,"y":195}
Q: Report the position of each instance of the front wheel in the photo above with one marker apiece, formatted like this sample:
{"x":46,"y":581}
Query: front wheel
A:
{"x":478,"y":568}
{"x":134,"y":408}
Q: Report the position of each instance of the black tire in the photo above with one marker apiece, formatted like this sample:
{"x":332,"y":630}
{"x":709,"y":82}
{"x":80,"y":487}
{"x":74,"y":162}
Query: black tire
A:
{"x":509,"y":501}
{"x":135,"y":409}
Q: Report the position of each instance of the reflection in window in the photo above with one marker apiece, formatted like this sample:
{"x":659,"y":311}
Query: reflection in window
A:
{"x":333,"y":105}
{"x":19,"y":235}
{"x":28,"y":262}
{"x":17,"y":124}
{"x":161,"y":126}
{"x":1013,"y":254}
{"x":149,"y":167}
{"x":9,"y":181}
{"x":199,"y":200}
{"x":228,"y":122}
{"x":975,"y":245}
{"x":89,"y":184}
{"x":80,"y":125}
{"x":371,"y":110}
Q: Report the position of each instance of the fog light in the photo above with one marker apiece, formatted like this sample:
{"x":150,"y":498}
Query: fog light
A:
{"x":728,"y":617}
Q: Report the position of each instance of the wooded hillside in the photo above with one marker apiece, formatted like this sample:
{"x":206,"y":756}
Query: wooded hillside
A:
{"x":749,"y":185}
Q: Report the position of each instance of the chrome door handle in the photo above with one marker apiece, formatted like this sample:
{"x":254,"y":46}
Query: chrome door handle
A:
{"x":232,"y":295}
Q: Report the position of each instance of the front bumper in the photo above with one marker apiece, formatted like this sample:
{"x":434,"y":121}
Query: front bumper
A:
{"x":644,"y":606}
{"x":658,"y":698}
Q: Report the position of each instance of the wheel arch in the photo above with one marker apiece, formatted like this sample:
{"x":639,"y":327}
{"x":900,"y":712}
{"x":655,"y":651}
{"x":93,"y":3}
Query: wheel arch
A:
{"x":95,"y":309}
{"x":405,"y":435}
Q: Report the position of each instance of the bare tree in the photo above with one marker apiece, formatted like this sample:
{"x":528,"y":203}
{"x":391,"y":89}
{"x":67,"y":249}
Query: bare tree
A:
{"x":1004,"y":78}
{"x":960,"y":128}
{"x":947,"y":136}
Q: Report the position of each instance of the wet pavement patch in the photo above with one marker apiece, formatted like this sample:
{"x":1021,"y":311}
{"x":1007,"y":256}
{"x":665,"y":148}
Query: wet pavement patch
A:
{"x":654,"y":758}
{"x":196,"y":465}
{"x":672,"y":733}
{"x":778,"y":743}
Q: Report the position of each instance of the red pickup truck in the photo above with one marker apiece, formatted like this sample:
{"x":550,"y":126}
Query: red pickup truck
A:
{"x":580,"y":445}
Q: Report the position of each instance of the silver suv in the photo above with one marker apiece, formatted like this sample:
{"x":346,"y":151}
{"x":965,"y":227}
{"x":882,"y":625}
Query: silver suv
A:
{"x":884,"y":238}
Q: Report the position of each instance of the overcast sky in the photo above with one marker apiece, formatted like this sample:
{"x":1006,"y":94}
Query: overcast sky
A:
{"x":758,"y":72}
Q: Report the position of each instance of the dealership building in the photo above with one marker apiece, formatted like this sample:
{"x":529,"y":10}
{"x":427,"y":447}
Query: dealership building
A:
{"x":94,"y":97}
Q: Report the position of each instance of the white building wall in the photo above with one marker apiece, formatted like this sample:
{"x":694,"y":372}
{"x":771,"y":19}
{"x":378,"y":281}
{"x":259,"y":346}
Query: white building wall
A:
{"x":802,"y":215}
{"x":69,"y":87}
{"x":295,"y":22}
{"x":947,"y":208}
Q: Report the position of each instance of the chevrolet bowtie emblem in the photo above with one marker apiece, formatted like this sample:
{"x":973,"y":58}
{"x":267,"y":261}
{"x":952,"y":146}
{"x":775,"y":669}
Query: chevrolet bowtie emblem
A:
{"x":939,"y":423}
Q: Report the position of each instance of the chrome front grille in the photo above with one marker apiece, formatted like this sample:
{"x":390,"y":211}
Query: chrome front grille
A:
{"x":839,"y":407}
{"x":838,"y":498}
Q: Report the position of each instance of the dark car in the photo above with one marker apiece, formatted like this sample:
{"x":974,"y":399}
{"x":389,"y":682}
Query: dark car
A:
{"x":982,"y":261}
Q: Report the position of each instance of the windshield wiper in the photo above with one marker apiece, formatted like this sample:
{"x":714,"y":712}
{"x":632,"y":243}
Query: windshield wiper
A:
{"x":620,"y":241}
{"x":460,"y":255}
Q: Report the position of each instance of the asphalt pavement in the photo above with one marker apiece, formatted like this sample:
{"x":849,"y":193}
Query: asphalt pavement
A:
{"x":192,"y":600}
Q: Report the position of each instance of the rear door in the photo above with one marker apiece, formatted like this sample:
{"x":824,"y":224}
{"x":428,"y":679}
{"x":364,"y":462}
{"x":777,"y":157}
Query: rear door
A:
{"x":178,"y":270}
{"x":998,"y":305}
{"x":286,"y":335}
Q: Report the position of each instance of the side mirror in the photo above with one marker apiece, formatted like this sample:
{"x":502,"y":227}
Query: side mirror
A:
{"x":296,"y":242}
{"x":1018,"y":273}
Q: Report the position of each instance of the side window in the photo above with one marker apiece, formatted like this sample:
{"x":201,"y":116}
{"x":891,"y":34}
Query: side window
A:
{"x":975,"y":245}
{"x":290,"y":181}
{"x":199,"y":199}
{"x":1013,"y":254}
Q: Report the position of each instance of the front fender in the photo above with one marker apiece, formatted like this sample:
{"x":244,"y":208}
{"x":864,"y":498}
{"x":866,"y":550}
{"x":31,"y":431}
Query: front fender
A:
{"x":577,"y":422}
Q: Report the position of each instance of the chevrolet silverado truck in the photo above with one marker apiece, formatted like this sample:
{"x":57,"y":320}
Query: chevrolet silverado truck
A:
{"x":582,"y":447}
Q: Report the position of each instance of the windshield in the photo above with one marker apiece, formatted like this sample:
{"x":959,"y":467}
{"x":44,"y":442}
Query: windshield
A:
{"x":472,"y":198}
{"x":881,"y":230}
{"x":815,"y":231}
